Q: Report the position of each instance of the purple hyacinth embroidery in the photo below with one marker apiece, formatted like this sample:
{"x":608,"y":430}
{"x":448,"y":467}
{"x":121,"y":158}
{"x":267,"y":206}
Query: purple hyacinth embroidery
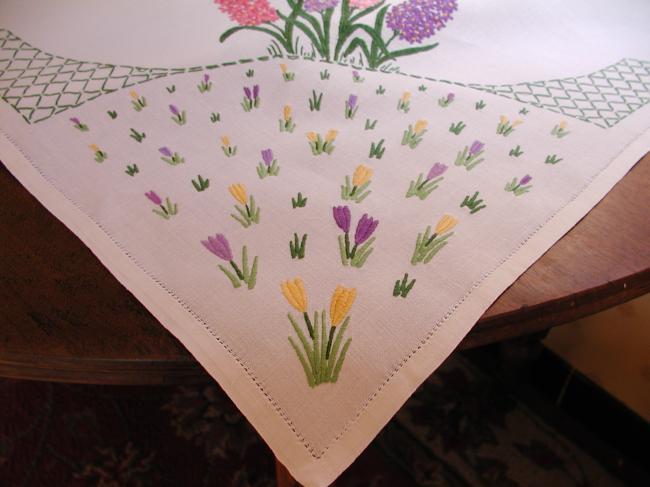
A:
{"x":416,"y":20}
{"x":319,"y":5}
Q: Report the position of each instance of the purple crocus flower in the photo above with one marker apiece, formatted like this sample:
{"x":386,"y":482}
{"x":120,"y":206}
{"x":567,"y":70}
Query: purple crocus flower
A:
{"x":165,"y":152}
{"x":525,"y":180}
{"x":436,"y":170}
{"x":256,"y":91}
{"x":267,"y":156}
{"x":247,"y":92}
{"x":416,"y":20}
{"x":173,"y":109}
{"x":153,"y":197}
{"x":219,"y":246}
{"x":450,"y":97}
{"x":342,"y":217}
{"x":75,"y":121}
{"x":476,"y":147}
{"x":365,"y":228}
{"x":352,"y":101}
{"x":355,"y":74}
{"x":206,"y":78}
{"x":319,"y":5}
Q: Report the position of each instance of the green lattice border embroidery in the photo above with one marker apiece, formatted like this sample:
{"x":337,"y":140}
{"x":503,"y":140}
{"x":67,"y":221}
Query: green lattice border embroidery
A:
{"x":39,"y":85}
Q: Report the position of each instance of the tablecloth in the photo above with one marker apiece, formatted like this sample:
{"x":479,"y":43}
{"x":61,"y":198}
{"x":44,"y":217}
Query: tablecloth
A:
{"x":319,"y":199}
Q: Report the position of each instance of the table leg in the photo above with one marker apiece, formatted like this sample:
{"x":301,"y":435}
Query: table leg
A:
{"x":283,"y":477}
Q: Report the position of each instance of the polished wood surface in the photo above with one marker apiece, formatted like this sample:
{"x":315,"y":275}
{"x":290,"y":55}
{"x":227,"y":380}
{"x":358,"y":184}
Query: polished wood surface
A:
{"x":65,"y":317}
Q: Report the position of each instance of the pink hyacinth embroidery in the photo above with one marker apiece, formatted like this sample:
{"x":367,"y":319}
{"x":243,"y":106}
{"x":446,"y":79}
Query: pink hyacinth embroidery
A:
{"x":248,"y":12}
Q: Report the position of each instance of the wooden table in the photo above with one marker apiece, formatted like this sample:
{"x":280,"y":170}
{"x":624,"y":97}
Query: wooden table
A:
{"x":66,"y":318}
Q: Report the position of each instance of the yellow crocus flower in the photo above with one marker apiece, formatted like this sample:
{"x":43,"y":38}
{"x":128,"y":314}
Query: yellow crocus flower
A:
{"x":238,"y":191}
{"x":406,"y":96}
{"x":287,"y":113}
{"x":225,"y":140}
{"x":94,"y":147}
{"x":503,"y":119}
{"x":362,"y":175}
{"x":342,"y":300}
{"x":563,"y":124}
{"x":420,"y":126}
{"x":283,"y":68}
{"x":312,"y":136}
{"x":295,"y":294}
{"x":133,"y":95}
{"x":446,"y":223}
{"x":331,"y":135}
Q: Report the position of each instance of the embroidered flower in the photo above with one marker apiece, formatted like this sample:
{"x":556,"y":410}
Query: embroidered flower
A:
{"x":342,"y":300}
{"x":295,"y":294}
{"x":416,"y":20}
{"x":319,"y":5}
{"x":427,"y":245}
{"x":248,"y":12}
{"x":342,"y":217}
{"x":219,"y":246}
{"x":357,"y":189}
{"x":238,"y":191}
{"x":365,"y":228}
{"x":446,"y":223}
{"x":250,"y":213}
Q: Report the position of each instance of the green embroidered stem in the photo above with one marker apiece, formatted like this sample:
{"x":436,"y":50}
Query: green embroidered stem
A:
{"x":235,"y":282}
{"x":310,"y":328}
{"x":343,"y":251}
{"x":339,"y":362}
{"x":329,"y":341}
{"x":335,"y":348}
{"x":317,"y":348}
{"x":323,"y":347}
{"x":303,"y":362}
{"x":305,"y":344}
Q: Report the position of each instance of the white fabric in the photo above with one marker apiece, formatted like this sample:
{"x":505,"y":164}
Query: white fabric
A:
{"x":240,"y":335}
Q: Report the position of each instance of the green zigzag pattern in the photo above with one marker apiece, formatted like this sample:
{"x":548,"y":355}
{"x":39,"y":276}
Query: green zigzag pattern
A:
{"x":39,"y":85}
{"x":604,"y":97}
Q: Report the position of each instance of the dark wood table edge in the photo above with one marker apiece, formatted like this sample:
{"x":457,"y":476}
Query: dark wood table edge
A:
{"x":531,"y":320}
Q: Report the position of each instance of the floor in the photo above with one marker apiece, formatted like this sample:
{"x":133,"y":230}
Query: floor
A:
{"x":462,"y":428}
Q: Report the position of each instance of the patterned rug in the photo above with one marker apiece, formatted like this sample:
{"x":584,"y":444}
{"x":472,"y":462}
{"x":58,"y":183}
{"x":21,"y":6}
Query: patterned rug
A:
{"x":460,"y":429}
